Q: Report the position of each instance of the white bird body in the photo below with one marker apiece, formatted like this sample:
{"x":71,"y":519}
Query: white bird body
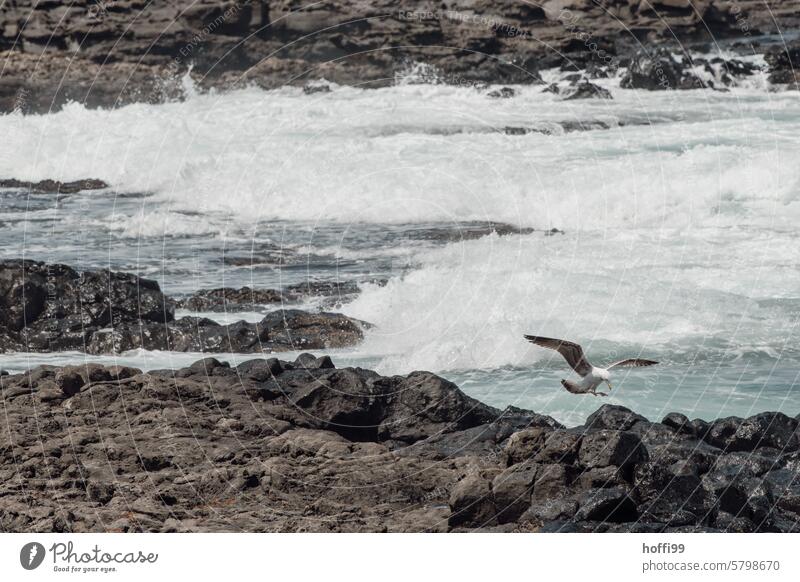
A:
{"x":591,"y":376}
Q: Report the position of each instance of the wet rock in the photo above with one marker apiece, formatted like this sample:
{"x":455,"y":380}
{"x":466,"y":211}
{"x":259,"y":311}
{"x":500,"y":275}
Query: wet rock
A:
{"x":53,"y":307}
{"x":587,"y":90}
{"x":606,"y":505}
{"x":673,"y":495}
{"x":659,"y":70}
{"x":677,"y":422}
{"x":769,"y":429}
{"x":606,"y":447}
{"x":54,"y":186}
{"x":613,"y":417}
{"x":784,"y":62}
{"x":502,"y":93}
{"x":227,"y":299}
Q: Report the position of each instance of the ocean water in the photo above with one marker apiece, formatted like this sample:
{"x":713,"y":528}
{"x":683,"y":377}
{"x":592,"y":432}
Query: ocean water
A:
{"x":680,"y":241}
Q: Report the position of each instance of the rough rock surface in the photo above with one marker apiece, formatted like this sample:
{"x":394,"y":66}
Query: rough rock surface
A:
{"x":106,"y":53}
{"x":55,"y":308}
{"x":302,"y":446}
{"x":54,"y":186}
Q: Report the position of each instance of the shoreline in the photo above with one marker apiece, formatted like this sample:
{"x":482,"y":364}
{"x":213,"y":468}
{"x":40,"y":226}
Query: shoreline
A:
{"x":303,"y":446}
{"x":83,"y":57}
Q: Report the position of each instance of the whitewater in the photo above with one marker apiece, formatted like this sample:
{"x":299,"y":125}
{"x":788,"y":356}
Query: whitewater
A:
{"x":679,"y":228}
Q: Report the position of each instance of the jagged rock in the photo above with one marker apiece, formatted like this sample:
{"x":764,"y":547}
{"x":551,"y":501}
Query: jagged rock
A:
{"x":278,"y":445}
{"x":673,"y":495}
{"x":659,"y":70}
{"x":784,"y":63}
{"x":606,"y":505}
{"x":271,"y":44}
{"x":512,"y":490}
{"x":587,"y":90}
{"x":54,"y":308}
{"x":502,"y":93}
{"x":613,"y":417}
{"x":54,"y":186}
{"x":228,"y":299}
{"x":606,"y":447}
{"x":769,"y":429}
{"x":471,"y":503}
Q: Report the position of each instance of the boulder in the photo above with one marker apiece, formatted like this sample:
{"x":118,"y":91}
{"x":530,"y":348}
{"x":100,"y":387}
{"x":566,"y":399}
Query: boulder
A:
{"x":659,"y":70}
{"x":604,"y":448}
{"x":768,"y":429}
{"x":471,"y":503}
{"x":587,"y":90}
{"x":613,"y":417}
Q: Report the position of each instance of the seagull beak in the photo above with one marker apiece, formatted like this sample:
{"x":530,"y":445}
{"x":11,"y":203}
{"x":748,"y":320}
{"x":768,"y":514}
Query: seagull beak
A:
{"x":609,"y":385}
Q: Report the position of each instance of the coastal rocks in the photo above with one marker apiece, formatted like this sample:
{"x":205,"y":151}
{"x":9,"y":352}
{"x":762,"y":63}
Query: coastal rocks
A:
{"x":279,"y":331}
{"x":55,"y":187}
{"x":784,"y":64}
{"x":768,"y":429}
{"x":659,"y":70}
{"x":227,"y":299}
{"x":54,"y":308}
{"x":587,"y":90}
{"x":132,"y":53}
{"x":300,"y":445}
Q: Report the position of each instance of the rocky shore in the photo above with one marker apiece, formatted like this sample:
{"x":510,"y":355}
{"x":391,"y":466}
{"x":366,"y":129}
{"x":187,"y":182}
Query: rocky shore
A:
{"x":52,"y":308}
{"x":302,"y":446}
{"x":106,"y":53}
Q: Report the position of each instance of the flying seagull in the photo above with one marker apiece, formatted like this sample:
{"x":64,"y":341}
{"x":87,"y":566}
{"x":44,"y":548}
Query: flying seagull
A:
{"x":592,"y":376}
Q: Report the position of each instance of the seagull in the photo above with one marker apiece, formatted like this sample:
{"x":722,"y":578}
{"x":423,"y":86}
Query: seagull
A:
{"x":592,"y":375}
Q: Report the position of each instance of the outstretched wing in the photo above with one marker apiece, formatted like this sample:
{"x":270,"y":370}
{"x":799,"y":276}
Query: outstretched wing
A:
{"x":632,"y":363}
{"x":572,"y":352}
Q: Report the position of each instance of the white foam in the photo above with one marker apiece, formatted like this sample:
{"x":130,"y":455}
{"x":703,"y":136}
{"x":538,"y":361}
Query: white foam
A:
{"x":385,"y":155}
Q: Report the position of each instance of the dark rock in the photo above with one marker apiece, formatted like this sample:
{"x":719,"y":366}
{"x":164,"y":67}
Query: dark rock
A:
{"x":231,"y":300}
{"x":768,"y":429}
{"x":512,"y":490}
{"x":606,"y":447}
{"x":350,"y":450}
{"x":784,"y":63}
{"x":673,"y":495}
{"x":552,"y":482}
{"x":311,"y":362}
{"x":551,"y":510}
{"x":587,"y":90}
{"x":677,"y":421}
{"x":502,"y":93}
{"x":613,"y":417}
{"x":69,"y":381}
{"x":55,"y":187}
{"x":606,"y":505}
{"x":784,"y":486}
{"x":260,"y":370}
{"x":472,"y":503}
{"x":659,"y":70}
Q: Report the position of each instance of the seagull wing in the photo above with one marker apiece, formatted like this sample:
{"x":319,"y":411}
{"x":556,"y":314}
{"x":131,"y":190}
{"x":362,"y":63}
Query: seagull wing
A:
{"x":632,"y":363}
{"x":572,"y":352}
